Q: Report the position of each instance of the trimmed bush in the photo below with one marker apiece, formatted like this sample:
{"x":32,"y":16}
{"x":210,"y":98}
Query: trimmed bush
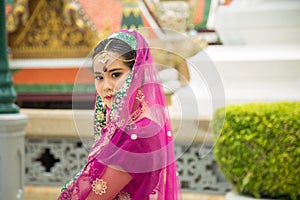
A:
{"x":258,"y":148}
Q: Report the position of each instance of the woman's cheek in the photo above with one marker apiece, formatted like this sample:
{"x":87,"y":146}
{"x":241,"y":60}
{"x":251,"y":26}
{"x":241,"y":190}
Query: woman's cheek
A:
{"x":98,"y":88}
{"x":121,"y":81}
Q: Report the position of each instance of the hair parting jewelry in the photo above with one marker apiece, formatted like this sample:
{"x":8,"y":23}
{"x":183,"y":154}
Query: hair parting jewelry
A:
{"x":105,"y":55}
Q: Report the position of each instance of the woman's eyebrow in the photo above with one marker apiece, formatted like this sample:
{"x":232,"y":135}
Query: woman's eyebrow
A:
{"x":114,"y":69}
{"x":111,"y":70}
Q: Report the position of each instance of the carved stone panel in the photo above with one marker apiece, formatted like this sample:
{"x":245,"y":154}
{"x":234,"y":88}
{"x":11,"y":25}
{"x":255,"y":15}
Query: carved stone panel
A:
{"x":51,"y":161}
{"x":54,"y":161}
{"x":198,"y":170}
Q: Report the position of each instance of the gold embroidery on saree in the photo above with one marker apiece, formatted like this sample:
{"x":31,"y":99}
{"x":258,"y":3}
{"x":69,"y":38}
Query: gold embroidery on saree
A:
{"x":165,"y":175}
{"x":99,"y":186}
{"x":107,"y":137}
{"x":123,"y":196}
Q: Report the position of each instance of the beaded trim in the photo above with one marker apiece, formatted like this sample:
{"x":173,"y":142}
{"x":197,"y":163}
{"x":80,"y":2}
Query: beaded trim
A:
{"x":125,"y":37}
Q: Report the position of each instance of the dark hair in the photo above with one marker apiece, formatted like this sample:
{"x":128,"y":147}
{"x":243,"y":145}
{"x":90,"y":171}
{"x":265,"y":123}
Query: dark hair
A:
{"x":117,"y":46}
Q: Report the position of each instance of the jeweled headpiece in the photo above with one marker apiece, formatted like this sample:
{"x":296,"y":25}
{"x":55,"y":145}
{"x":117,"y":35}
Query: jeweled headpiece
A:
{"x":125,"y":37}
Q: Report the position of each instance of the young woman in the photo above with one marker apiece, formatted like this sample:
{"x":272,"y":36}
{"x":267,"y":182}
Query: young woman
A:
{"x":133,"y":153}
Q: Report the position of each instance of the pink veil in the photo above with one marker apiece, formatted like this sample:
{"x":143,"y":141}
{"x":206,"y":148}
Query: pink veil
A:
{"x":135,"y":135}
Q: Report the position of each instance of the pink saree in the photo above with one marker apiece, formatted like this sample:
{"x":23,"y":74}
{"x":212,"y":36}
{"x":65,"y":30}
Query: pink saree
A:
{"x":134,"y":136}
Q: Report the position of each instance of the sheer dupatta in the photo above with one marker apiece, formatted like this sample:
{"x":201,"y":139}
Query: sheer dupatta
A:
{"x":134,"y":136}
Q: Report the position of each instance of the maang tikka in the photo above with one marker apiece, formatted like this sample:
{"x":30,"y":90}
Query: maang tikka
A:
{"x":105,"y":55}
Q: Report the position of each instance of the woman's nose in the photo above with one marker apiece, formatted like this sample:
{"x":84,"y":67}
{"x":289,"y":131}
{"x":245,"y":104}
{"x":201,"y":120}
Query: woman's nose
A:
{"x":108,"y":85}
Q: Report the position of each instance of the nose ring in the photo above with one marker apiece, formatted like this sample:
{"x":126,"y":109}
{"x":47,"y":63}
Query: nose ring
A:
{"x":111,"y":92}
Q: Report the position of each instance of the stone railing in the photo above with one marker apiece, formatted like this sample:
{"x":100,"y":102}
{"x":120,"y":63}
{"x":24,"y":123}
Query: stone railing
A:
{"x":55,"y":151}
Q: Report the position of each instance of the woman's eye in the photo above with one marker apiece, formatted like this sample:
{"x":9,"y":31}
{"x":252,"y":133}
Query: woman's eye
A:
{"x":98,"y":78}
{"x":115,"y":75}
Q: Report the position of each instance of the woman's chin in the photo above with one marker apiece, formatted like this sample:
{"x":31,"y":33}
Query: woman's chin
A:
{"x":108,"y":104}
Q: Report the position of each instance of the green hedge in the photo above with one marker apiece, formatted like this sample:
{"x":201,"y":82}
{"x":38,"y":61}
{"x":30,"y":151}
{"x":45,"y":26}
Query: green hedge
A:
{"x":258,"y":148}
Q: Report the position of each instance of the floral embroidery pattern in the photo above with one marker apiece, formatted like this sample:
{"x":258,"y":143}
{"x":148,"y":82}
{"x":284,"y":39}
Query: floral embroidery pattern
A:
{"x":97,"y":133}
{"x":140,"y":96}
{"x":99,"y":186}
{"x":137,"y":113}
{"x":123,"y":196}
{"x":111,"y":128}
{"x":119,"y":102}
{"x":100,"y":117}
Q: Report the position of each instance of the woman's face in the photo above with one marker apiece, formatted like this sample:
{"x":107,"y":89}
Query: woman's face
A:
{"x":109,"y":77}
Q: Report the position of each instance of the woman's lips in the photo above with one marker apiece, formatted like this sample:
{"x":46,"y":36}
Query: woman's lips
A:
{"x":108,"y":97}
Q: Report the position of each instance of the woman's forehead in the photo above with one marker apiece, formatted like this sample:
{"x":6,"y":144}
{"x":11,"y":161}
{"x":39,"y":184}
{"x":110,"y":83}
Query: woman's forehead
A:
{"x":111,"y":63}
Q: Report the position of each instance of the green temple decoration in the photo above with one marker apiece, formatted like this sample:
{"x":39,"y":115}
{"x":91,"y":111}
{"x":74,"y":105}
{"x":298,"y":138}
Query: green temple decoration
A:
{"x":131,"y":16}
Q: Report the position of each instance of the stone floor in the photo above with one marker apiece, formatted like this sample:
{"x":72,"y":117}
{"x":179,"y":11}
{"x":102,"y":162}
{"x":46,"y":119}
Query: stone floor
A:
{"x":51,"y":193}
